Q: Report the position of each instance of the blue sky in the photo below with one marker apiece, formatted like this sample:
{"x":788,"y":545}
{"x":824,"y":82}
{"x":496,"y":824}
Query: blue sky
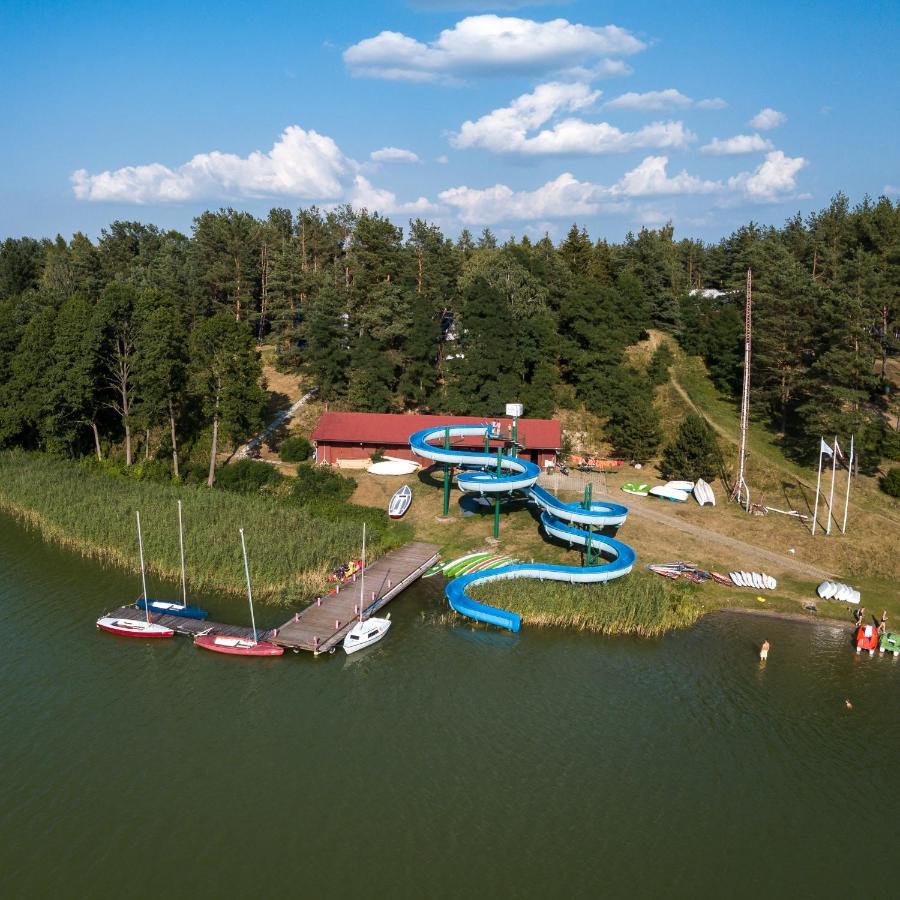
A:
{"x":521,"y":116}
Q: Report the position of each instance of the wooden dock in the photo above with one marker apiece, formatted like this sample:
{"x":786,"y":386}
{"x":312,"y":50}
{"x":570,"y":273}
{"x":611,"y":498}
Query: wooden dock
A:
{"x":325,"y":622}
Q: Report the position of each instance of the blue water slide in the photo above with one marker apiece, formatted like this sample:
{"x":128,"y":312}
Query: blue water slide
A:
{"x":560,"y":520}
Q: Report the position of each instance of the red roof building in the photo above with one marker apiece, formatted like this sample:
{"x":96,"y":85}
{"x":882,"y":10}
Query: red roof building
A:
{"x":356,"y":436}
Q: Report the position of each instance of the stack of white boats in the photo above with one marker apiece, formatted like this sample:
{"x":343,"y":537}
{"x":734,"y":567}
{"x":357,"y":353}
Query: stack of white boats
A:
{"x":758,"y":580}
{"x":834,"y":590}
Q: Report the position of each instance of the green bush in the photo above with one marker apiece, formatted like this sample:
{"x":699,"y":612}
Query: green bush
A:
{"x":890,"y":483}
{"x":318,"y":484}
{"x":658,"y":367}
{"x":377,"y":455}
{"x":295,"y":449}
{"x":247,"y":476}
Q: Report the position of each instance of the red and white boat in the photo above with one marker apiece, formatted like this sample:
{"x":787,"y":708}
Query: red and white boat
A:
{"x":235,"y":646}
{"x":134,"y":627}
{"x":220,"y":643}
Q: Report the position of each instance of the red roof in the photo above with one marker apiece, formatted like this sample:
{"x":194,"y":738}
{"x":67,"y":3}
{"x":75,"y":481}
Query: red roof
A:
{"x":380,"y":429}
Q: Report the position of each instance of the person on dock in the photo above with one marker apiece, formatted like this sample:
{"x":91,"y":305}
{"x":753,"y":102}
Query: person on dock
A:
{"x":764,"y":651}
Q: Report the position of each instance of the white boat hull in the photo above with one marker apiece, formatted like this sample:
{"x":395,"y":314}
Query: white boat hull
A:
{"x":364,"y":634}
{"x":703,"y":493}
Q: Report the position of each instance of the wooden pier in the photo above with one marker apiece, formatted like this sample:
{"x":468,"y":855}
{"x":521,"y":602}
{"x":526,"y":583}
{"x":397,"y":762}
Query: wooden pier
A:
{"x":324,"y":623}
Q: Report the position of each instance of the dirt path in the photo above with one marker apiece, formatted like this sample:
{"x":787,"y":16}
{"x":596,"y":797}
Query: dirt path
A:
{"x":729,"y":543}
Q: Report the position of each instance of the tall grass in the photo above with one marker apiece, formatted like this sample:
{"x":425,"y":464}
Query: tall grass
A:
{"x":77,"y":505}
{"x":635,"y":605}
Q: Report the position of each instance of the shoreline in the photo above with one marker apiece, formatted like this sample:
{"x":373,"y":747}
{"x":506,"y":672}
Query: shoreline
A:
{"x":784,"y":616}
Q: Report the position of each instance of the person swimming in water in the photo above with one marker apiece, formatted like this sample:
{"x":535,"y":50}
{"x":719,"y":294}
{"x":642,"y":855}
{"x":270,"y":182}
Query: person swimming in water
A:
{"x":764,"y":651}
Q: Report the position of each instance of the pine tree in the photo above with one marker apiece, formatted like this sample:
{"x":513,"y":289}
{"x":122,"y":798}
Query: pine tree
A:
{"x":325,"y":354}
{"x":693,"y":453}
{"x":634,"y":429}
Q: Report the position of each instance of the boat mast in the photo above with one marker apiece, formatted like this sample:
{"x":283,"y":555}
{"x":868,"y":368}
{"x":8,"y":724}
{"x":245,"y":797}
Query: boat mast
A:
{"x":249,"y":590}
{"x":362,"y":576}
{"x":740,"y":485}
{"x":181,"y":547}
{"x":143,"y":575}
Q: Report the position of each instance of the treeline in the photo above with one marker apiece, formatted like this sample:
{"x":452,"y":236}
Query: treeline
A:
{"x":148,"y":336}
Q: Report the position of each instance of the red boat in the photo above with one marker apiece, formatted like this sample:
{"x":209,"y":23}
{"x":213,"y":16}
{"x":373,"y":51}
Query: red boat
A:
{"x":866,"y":639}
{"x":220,"y":643}
{"x":134,"y":628}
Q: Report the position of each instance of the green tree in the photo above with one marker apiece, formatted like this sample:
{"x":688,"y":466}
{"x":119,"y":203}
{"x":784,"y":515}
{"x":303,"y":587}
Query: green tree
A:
{"x":693,"y":453}
{"x":634,"y":429}
{"x":227,"y":378}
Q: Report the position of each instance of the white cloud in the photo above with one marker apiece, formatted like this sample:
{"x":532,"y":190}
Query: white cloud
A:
{"x":650,"y":178}
{"x":670,"y":98}
{"x":488,"y":44}
{"x":564,"y":196}
{"x":891,"y":190}
{"x":443,"y":159}
{"x":772,"y":180}
{"x":604,"y":68}
{"x":365,"y":195}
{"x":393,"y":155}
{"x":300,"y":164}
{"x":505,"y":130}
{"x":768,"y":118}
{"x":740,"y":143}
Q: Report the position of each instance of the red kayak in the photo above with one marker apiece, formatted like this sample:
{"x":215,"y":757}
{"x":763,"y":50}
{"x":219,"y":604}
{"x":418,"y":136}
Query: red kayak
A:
{"x":134,"y":628}
{"x":237,"y":646}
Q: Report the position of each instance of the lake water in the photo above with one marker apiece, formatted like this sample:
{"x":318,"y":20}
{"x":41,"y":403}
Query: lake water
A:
{"x":447,"y":761}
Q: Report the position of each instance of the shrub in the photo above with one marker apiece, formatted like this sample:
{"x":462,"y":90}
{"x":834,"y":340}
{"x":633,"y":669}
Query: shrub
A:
{"x":693,"y":453}
{"x":377,"y":455}
{"x":658,"y":367}
{"x":295,"y":449}
{"x":247,"y":476}
{"x":317,"y":484}
{"x":890,"y":483}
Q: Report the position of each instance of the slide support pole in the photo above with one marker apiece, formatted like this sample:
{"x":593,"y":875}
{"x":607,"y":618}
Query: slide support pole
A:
{"x":446,"y":474}
{"x":497,"y":500}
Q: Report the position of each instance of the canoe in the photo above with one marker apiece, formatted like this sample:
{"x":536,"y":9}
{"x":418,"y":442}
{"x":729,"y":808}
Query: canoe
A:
{"x":667,"y":493}
{"x":736,"y":578}
{"x":703,"y":493}
{"x":392,"y":467}
{"x":400,"y":502}
{"x":167,"y":608}
{"x":234,"y":646}
{"x":134,"y":628}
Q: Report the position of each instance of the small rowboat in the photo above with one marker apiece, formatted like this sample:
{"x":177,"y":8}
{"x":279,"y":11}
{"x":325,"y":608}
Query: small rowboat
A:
{"x":668,"y":493}
{"x":237,"y":646}
{"x":400,"y":502}
{"x":134,"y":628}
{"x":170,"y":608}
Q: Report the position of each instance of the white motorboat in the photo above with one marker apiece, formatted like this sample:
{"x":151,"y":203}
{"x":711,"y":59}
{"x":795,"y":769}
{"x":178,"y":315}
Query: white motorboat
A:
{"x":366,"y":631}
{"x":703,"y":493}
{"x":400,"y":502}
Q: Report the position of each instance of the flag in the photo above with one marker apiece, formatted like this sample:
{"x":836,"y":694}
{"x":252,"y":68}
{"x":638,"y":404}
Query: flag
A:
{"x":837,"y":450}
{"x":824,"y":448}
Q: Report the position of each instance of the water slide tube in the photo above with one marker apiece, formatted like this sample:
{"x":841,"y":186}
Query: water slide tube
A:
{"x":560,"y":520}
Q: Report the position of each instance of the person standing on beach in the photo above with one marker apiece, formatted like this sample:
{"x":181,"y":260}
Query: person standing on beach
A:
{"x":764,"y":651}
{"x":882,"y":625}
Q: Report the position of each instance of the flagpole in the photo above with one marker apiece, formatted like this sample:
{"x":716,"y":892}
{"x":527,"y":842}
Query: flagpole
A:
{"x":847,"y":498}
{"x":834,"y":453}
{"x":818,"y":483}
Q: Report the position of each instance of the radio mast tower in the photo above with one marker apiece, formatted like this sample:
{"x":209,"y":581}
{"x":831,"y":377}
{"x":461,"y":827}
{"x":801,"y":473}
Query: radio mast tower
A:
{"x":740,"y":492}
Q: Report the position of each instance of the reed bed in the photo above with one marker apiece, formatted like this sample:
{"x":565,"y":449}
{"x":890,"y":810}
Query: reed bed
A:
{"x":78,"y":506}
{"x":637,"y":605}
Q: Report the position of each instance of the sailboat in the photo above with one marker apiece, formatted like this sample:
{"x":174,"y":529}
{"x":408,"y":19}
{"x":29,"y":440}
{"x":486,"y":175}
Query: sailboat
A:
{"x":135,"y":627}
{"x":237,"y":646}
{"x":366,"y":631}
{"x":166,"y":607}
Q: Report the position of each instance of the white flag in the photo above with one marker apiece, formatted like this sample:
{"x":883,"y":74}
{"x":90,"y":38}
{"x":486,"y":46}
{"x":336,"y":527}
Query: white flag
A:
{"x":824,"y":448}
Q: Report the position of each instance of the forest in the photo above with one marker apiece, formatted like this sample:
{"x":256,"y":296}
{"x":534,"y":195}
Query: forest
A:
{"x":144,"y":344}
